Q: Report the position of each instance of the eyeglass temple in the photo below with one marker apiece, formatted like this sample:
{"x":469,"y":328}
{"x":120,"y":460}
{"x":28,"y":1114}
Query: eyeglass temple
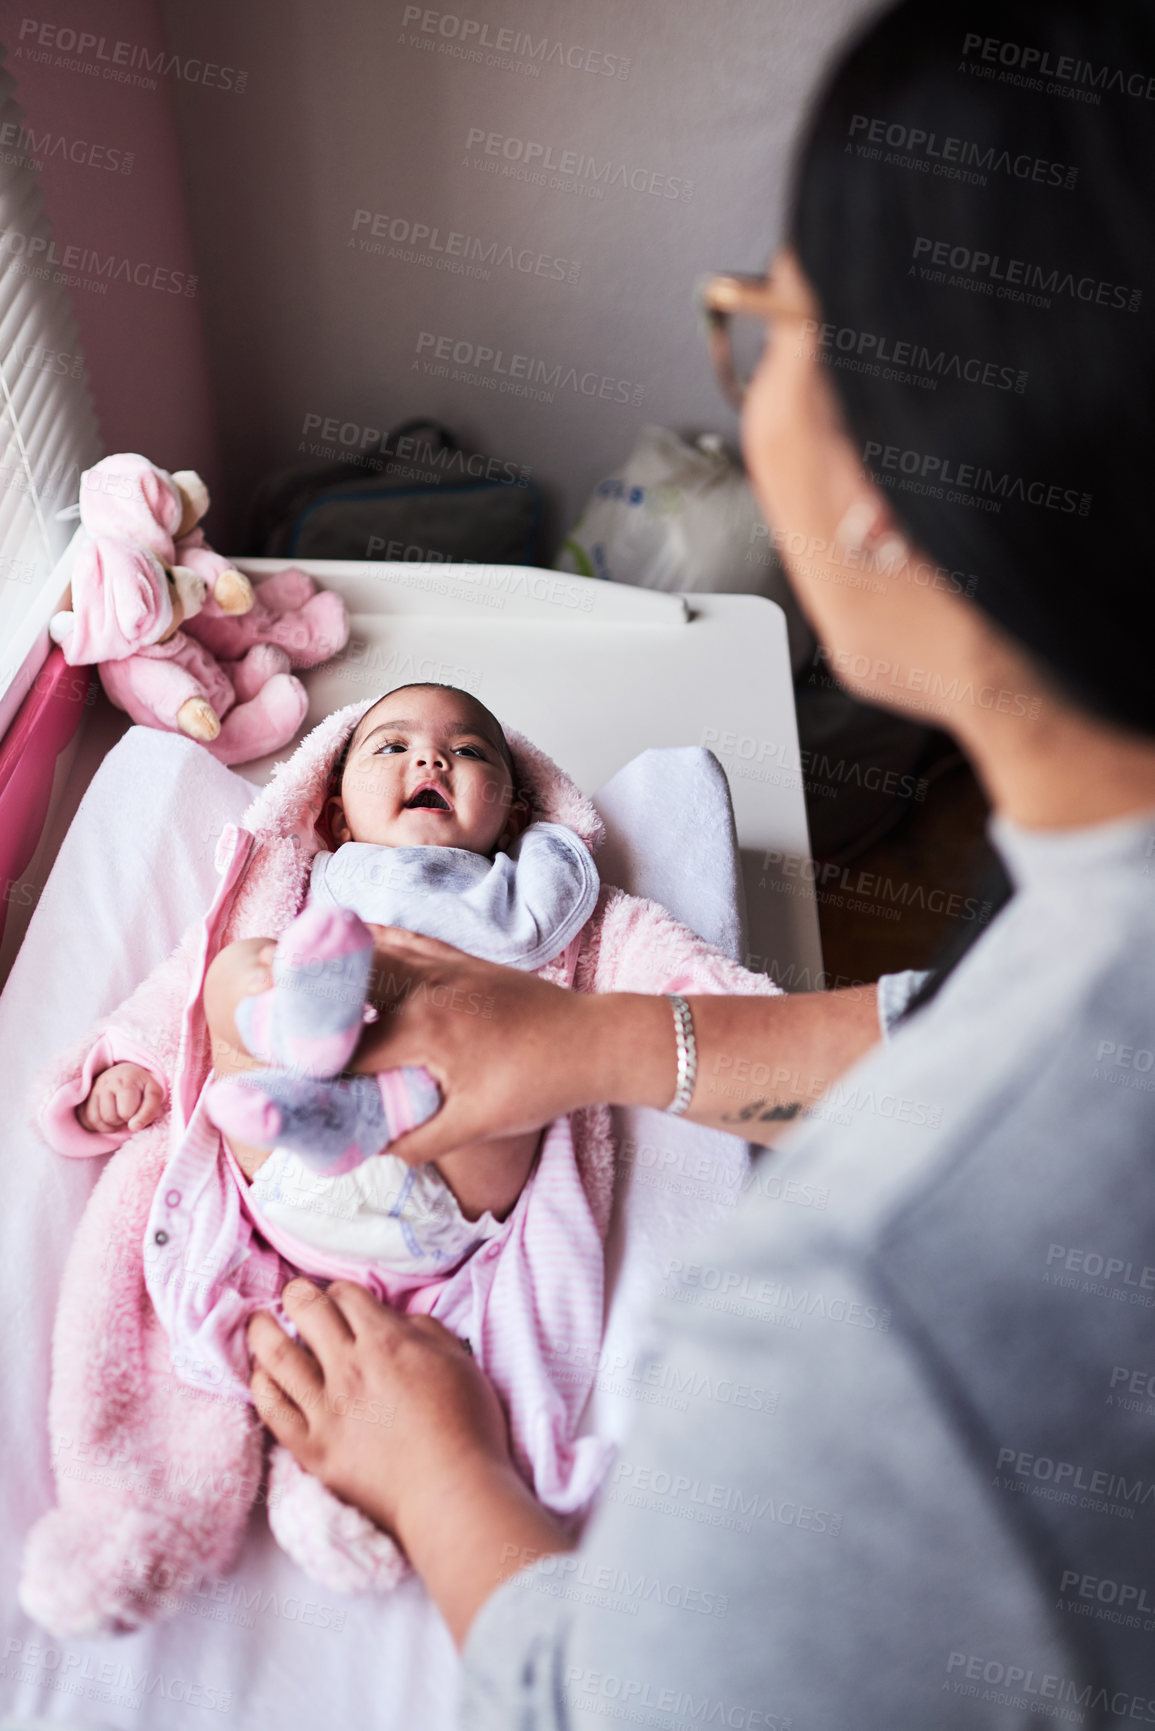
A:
{"x":733,"y":292}
{"x":722,"y":356}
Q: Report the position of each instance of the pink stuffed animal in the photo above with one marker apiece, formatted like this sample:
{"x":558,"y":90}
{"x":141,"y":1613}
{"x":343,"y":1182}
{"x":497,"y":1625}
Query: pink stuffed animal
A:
{"x":126,"y":615}
{"x":126,"y":495}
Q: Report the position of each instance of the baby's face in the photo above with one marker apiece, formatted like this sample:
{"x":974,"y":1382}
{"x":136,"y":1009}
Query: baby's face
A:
{"x":425,"y":770}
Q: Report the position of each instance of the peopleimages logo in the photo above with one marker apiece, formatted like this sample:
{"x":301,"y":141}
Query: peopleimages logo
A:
{"x":26,"y":148}
{"x":917,"y":361}
{"x":1019,"y":279}
{"x":517,"y":375}
{"x":972,"y":482}
{"x":122,"y":62}
{"x":452,"y":249}
{"x":1027,"y":1689}
{"x":539,"y":158}
{"x":950,"y":157}
{"x":41,"y":257}
{"x":1030,"y":65}
{"x":469,"y":36}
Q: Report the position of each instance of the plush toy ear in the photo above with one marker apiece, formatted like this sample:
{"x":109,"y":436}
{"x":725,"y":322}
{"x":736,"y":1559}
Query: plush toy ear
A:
{"x":192,"y":589}
{"x":60,"y":627}
{"x":194,"y":496}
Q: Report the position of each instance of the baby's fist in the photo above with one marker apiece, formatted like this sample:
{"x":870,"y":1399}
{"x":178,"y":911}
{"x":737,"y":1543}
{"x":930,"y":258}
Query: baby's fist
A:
{"x":124,"y":1097}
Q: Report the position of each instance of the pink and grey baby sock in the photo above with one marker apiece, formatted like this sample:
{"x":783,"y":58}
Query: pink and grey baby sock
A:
{"x":308,"y":1023}
{"x":310,"y":1019}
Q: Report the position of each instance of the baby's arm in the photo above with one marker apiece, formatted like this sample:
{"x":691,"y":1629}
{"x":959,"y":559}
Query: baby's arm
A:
{"x":143,"y":1031}
{"x":123,"y":1097}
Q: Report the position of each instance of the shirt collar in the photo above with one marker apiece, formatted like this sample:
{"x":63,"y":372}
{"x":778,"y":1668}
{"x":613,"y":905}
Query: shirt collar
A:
{"x":1037,"y":856}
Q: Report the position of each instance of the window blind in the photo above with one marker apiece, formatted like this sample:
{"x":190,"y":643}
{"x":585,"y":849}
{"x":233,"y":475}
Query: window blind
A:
{"x":48,"y":427}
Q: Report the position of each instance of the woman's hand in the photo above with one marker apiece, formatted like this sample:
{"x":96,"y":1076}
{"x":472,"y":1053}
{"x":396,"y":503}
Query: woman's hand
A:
{"x":510,"y":1052}
{"x":123,"y":1097}
{"x":391,"y":1413}
{"x":376,"y":1405}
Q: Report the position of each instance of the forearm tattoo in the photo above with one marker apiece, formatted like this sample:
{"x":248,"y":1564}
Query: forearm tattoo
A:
{"x":763,"y":1112}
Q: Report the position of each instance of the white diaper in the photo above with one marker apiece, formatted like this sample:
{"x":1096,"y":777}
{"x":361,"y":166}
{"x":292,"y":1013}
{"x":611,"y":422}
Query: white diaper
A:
{"x":399,"y":1218}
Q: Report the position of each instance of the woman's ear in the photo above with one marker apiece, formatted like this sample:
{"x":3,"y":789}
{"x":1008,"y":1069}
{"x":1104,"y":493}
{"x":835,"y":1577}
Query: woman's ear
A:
{"x":333,"y":819}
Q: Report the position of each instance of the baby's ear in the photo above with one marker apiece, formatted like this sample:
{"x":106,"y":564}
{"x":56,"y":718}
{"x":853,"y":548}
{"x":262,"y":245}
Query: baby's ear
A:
{"x":519,"y":819}
{"x":333,"y":821}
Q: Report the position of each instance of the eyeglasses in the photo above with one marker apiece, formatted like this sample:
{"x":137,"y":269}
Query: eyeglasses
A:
{"x":737,"y":308}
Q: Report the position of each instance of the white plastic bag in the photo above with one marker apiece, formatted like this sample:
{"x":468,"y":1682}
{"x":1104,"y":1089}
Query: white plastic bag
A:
{"x":678,"y":516}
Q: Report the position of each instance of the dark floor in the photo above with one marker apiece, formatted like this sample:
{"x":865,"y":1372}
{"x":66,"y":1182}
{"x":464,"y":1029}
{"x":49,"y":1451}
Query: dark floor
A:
{"x":896,"y":903}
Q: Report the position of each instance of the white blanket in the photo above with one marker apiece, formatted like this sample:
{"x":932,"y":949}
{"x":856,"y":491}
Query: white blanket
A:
{"x":266,"y":1647}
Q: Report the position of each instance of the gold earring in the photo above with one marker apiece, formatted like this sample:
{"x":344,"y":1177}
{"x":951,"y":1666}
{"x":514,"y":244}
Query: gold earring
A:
{"x":855,"y":526}
{"x":862,"y":530}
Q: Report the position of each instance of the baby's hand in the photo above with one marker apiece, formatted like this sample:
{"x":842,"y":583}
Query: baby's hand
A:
{"x":124,"y":1097}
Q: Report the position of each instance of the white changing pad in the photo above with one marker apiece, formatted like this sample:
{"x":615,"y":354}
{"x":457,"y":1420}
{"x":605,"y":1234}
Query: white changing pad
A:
{"x":267,"y":1647}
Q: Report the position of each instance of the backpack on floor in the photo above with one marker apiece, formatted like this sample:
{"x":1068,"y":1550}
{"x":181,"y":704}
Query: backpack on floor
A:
{"x":417,"y":495}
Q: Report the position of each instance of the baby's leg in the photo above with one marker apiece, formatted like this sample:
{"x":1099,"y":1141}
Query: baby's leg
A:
{"x":336,"y":1125}
{"x":237,"y":972}
{"x":255,"y":990}
{"x":309,"y":1017}
{"x":333,"y":1125}
{"x":490,"y":1175}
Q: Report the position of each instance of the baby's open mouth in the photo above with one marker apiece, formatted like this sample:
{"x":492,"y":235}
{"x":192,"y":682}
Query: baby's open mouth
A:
{"x":427,"y":799}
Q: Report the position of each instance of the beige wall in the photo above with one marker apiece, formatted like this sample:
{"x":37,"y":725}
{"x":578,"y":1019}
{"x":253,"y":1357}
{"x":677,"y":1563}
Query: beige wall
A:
{"x":409,"y":115}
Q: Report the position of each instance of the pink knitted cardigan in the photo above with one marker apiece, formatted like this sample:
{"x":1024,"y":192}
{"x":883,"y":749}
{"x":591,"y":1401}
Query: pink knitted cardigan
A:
{"x":155,"y":1475}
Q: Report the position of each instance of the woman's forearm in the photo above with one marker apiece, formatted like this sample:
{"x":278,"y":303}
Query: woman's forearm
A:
{"x":472,"y":1534}
{"x":511,"y":1052}
{"x":760,"y":1060}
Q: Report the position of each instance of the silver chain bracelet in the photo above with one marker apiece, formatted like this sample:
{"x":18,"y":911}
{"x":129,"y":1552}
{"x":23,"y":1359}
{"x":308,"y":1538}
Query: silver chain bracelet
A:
{"x":687,"y":1055}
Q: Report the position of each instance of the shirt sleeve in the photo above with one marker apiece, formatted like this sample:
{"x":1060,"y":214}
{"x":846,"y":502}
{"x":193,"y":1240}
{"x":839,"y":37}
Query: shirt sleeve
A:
{"x":894,"y":994}
{"x":797,"y":1533}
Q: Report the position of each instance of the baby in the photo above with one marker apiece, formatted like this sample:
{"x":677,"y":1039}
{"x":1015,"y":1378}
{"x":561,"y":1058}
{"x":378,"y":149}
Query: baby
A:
{"x":432,"y":834}
{"x":416,"y":813}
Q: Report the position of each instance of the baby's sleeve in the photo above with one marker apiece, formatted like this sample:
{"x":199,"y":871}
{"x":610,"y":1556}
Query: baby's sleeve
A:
{"x":144,"y":1030}
{"x":640,"y":947}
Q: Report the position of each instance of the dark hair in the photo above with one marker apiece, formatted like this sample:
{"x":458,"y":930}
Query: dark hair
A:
{"x":1018,"y":262}
{"x":1034,"y":316}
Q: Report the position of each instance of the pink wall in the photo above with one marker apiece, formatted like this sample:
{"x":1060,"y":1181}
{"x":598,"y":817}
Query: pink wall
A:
{"x":144,"y":344}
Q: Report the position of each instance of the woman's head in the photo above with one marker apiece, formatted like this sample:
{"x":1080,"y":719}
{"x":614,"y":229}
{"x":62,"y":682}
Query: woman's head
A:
{"x":970,"y":368}
{"x":426,"y":766}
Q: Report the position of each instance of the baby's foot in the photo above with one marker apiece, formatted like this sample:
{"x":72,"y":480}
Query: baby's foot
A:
{"x":310,"y":1018}
{"x":332,"y":1125}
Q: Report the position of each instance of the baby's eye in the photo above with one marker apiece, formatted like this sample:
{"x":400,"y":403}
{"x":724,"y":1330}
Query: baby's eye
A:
{"x":389,"y":745}
{"x":470,"y":751}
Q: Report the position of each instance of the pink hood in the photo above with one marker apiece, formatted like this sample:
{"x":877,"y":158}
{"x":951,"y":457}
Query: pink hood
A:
{"x":284,"y":815}
{"x":126,"y":495}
